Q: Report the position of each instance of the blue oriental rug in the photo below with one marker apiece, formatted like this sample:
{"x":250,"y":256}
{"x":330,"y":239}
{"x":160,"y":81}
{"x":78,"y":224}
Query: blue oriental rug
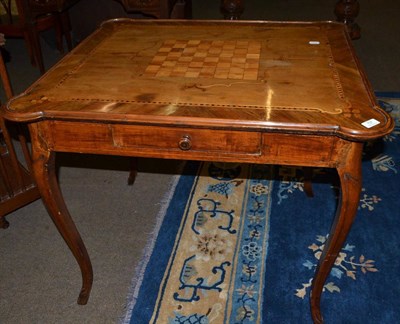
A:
{"x":239,"y":244}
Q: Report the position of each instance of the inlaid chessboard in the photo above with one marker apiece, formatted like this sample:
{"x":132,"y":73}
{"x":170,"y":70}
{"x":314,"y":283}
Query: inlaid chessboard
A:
{"x":238,"y":60}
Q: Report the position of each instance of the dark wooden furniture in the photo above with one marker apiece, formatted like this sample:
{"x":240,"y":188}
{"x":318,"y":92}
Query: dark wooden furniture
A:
{"x":17,"y":187}
{"x":346,"y":11}
{"x":164,"y":9}
{"x":229,"y":91}
{"x":35,"y":16}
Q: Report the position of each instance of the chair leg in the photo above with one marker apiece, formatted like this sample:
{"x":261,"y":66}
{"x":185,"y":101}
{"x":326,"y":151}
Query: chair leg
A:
{"x":66,"y":28}
{"x":308,"y":172}
{"x":29,"y":48}
{"x":133,"y":170}
{"x":32,"y":38}
{"x":5,"y":79}
{"x":58,"y":26}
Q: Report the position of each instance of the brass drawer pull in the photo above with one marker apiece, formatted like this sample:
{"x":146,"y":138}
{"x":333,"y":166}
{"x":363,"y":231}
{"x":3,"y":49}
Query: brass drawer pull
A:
{"x":185,"y":143}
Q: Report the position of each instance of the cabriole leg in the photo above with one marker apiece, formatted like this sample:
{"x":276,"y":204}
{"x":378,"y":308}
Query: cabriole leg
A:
{"x":43,"y":164}
{"x":350,"y":181}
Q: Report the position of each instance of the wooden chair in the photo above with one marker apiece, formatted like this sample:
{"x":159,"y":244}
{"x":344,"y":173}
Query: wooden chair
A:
{"x":17,"y":187}
{"x":32,"y":17}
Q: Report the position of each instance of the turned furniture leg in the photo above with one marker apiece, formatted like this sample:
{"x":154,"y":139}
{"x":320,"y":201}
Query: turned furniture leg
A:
{"x":346,"y":11}
{"x":43,"y":163}
{"x":232,"y":9}
{"x":4,"y":223}
{"x":350,"y":180}
{"x":133,"y":166}
{"x":308,"y":173}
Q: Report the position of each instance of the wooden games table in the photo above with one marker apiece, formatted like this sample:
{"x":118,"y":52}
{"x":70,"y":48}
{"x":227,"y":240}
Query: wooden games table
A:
{"x":228,"y":91}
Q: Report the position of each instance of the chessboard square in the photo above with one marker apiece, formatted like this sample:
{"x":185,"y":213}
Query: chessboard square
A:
{"x":189,"y":55}
{"x":238,"y":65}
{"x":215,"y":50}
{"x":221,"y":75}
{"x":198,"y":59}
{"x":172,"y":57}
{"x":178,"y":74}
{"x":180,"y":68}
{"x":225,"y":60}
{"x":253,"y":56}
{"x":223,"y":65}
{"x":194,"y":69}
{"x":181,"y":64}
{"x":235,"y":76}
{"x":238,"y":60}
{"x":174,"y":54}
{"x":179,"y":46}
{"x":185,"y":59}
{"x":226,"y":54}
{"x":240,"y":51}
{"x":209,"y":64}
{"x":168,"y":64}
{"x":200,"y":54}
{"x":210,"y":70}
{"x":250,"y":76}
{"x":202,"y":51}
{"x":211,"y":59}
{"x":227,"y":47}
{"x":196,"y":64}
{"x":176,"y":49}
{"x":222,"y":70}
{"x":180,"y":43}
{"x":164,"y":73}
{"x":191,"y":74}
{"x":204,"y":45}
{"x":189,"y":50}
{"x":205,"y":74}
{"x":213,"y":54}
{"x":236,"y":70}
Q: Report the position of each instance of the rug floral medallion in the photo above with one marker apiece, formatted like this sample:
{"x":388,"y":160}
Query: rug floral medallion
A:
{"x":239,"y":244}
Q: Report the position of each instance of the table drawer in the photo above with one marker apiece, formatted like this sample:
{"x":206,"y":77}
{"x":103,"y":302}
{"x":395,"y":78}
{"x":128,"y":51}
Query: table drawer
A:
{"x":186,"y":139}
{"x":298,"y":149}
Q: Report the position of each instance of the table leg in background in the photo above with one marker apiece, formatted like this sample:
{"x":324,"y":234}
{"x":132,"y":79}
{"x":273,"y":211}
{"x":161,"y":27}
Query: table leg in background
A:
{"x":232,"y":9}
